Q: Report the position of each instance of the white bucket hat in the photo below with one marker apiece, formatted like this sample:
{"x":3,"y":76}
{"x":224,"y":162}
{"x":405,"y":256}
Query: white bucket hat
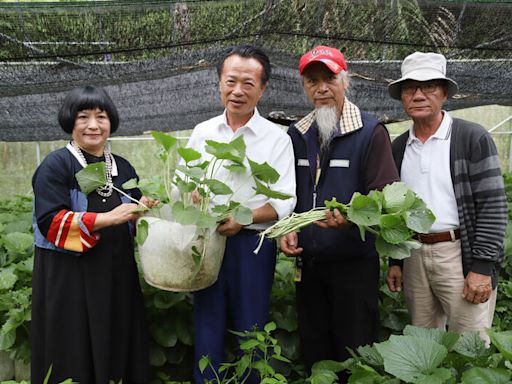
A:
{"x":421,"y":66}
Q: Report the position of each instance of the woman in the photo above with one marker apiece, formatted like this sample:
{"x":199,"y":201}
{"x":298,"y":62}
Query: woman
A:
{"x":87,"y":308}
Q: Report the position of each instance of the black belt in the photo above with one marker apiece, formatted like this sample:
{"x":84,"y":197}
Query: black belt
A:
{"x":438,"y":237}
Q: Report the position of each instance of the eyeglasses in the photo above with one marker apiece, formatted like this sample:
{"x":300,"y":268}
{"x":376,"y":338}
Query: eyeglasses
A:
{"x":426,"y":88}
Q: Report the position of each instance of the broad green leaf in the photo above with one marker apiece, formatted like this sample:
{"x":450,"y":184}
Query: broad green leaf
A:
{"x":419,"y":218}
{"x":397,"y":197}
{"x":410,"y":358}
{"x":239,"y":145}
{"x":269,"y":327}
{"x":479,"y":375}
{"x":21,"y":222}
{"x":393,"y":229}
{"x":363,"y":210}
{"x":165,"y":140}
{"x":165,"y":334}
{"x":502,"y":341}
{"x":370,"y":355}
{"x":471,"y":345}
{"x":185,"y":187}
{"x":438,"y":376}
{"x":235,"y":167}
{"x":249,"y":344}
{"x":142,"y":231}
{"x":130,"y":184}
{"x":218,"y":187}
{"x":196,"y":173}
{"x":205,"y":220}
{"x":203,"y":363}
{"x":395,"y":251}
{"x":7,"y":340}
{"x":189,"y":154}
{"x":18,"y":243}
{"x":234,"y":151}
{"x":378,"y":196}
{"x":263,"y":172}
{"x":153,"y":187}
{"x":6,"y":217}
{"x":183,"y":330}
{"x":263,"y":190}
{"x":242,"y":215}
{"x":364,"y":374}
{"x":323,"y":376}
{"x":446,"y":338}
{"x":242,"y":365}
{"x":221,"y":208}
{"x":7,"y":278}
{"x":185,"y":215}
{"x":331,"y":365}
{"x":157,"y":356}
{"x":91,"y":177}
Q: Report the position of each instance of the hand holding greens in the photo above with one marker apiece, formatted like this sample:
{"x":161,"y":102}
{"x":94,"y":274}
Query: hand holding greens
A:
{"x":393,"y":215}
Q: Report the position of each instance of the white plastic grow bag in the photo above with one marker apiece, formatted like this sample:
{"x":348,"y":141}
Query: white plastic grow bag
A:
{"x":167,"y":258}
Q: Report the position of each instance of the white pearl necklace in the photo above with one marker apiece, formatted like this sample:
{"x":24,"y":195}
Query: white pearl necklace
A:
{"x":105,"y":190}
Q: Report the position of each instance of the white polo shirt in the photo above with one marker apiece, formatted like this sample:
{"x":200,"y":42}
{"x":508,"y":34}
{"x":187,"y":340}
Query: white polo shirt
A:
{"x":265,"y":142}
{"x":426,"y":170}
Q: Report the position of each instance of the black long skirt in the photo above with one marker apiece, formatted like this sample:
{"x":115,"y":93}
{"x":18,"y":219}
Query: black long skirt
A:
{"x":88,"y":313}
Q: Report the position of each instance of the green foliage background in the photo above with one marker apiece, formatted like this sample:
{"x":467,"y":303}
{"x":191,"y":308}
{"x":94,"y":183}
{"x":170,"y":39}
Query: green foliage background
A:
{"x":170,"y":314}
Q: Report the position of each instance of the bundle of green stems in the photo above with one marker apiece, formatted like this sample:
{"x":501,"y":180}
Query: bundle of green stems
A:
{"x":293,"y":223}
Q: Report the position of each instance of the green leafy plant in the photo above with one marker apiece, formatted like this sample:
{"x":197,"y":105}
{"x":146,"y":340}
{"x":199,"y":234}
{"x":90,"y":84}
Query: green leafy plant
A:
{"x":187,"y":194}
{"x":16,"y":262}
{"x":94,"y":176}
{"x":393,"y":215}
{"x":259,"y":349}
{"x":422,"y":356}
{"x":193,"y":176}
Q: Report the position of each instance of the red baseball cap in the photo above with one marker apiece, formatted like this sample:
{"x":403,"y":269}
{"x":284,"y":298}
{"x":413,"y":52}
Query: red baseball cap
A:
{"x":329,"y":56}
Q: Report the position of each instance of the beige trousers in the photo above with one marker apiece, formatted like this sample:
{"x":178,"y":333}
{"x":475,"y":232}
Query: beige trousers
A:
{"x":433,"y":284}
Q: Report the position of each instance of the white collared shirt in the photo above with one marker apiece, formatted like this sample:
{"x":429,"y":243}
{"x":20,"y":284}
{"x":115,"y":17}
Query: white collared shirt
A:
{"x":265,"y":142}
{"x":426,"y":170}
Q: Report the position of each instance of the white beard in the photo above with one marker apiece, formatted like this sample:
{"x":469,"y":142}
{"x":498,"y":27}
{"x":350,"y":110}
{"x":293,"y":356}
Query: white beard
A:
{"x":326,"y":119}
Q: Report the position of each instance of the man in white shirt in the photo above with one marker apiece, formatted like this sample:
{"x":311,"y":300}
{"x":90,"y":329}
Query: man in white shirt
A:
{"x":245,"y":279}
{"x":453,"y":165}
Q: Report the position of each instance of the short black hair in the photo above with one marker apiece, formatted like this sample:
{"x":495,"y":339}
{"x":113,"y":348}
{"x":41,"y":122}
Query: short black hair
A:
{"x":88,"y":97}
{"x":248,"y":52}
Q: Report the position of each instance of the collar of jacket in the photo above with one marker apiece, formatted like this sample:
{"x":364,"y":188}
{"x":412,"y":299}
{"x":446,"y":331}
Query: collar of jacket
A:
{"x":350,"y":120}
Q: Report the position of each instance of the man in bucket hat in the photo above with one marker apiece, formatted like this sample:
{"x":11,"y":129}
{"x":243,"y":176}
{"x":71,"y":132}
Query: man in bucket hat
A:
{"x":338,"y":150}
{"x":452,"y":164}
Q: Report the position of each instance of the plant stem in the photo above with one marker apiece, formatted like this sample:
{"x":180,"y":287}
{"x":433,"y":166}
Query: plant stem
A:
{"x":128,"y":196}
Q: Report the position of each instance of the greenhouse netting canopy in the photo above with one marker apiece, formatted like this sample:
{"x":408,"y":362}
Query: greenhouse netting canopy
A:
{"x":157,"y":58}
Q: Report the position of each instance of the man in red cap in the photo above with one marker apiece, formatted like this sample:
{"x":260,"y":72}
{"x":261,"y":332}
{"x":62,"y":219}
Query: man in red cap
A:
{"x":339,"y":150}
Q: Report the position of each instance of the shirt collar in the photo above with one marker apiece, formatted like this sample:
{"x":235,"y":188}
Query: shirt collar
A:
{"x":350,"y":119}
{"x":442,"y":133}
{"x":251,"y":125}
